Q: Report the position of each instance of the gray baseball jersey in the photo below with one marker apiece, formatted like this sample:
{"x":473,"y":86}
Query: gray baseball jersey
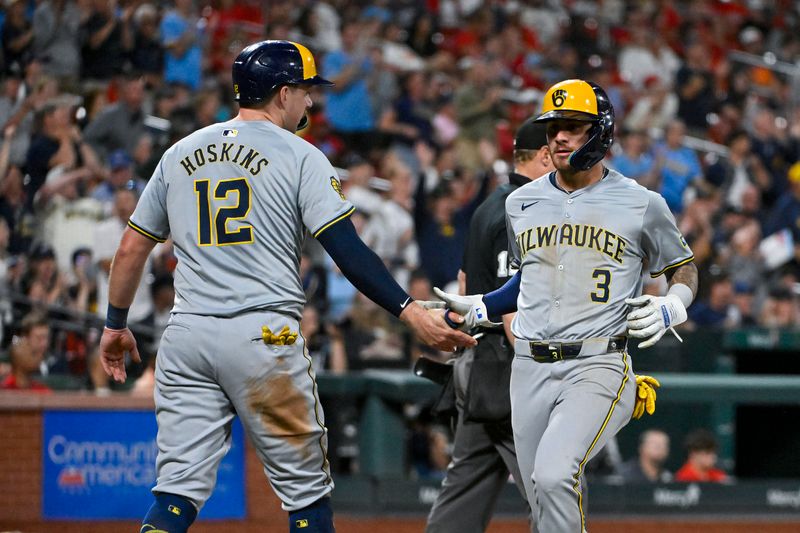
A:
{"x":237,"y":198}
{"x":581,"y":255}
{"x":598,"y":236}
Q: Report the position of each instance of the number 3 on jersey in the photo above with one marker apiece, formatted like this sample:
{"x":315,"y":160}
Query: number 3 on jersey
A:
{"x":603,"y":277}
{"x":208,"y":229}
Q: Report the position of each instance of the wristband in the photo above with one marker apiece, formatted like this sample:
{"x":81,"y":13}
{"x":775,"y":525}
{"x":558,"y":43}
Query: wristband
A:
{"x":116,"y":317}
{"x":683,"y":292}
{"x":402,"y":307}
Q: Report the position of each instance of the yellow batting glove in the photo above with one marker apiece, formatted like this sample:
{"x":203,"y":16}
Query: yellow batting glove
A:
{"x":284,"y":337}
{"x":287,"y":336}
{"x":645,"y":396}
{"x":280,"y":338}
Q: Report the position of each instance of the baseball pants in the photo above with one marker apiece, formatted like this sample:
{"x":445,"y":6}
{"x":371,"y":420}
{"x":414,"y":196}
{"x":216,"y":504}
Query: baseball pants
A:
{"x":483,"y":457}
{"x":563,"y":413}
{"x":210,"y":369}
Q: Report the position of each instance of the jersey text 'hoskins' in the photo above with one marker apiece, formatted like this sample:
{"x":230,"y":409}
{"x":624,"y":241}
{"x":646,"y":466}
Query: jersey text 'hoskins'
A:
{"x":214,"y":153}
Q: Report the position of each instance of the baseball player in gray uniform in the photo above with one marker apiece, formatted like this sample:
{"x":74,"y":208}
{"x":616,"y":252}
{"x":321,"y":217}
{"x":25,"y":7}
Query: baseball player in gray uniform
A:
{"x":582,"y":237}
{"x":237,"y":199}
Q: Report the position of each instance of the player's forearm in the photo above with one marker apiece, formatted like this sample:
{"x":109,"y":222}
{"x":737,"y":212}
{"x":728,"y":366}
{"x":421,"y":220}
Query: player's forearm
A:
{"x":503,"y":300}
{"x":127,"y":267}
{"x":362,"y":267}
{"x":686,"y":276}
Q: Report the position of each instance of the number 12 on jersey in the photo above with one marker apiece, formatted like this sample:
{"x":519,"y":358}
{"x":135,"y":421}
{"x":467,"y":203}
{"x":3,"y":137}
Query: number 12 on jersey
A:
{"x":214,"y":230}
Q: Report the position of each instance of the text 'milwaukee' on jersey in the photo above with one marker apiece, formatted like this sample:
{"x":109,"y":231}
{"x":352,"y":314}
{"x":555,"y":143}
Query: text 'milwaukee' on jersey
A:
{"x":582,"y":253}
{"x":236,"y":198}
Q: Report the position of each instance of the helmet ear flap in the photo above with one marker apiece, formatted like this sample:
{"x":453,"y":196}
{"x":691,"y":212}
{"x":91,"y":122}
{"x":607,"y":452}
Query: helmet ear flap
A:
{"x":606,"y":125}
{"x":601,"y":137}
{"x":587,"y":155}
{"x":303,"y":122}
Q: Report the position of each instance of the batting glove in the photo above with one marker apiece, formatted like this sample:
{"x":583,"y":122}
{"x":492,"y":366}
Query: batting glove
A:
{"x":431,"y":304}
{"x":283,"y":338}
{"x":471,"y":307}
{"x":655,"y":314}
{"x":645,"y":396}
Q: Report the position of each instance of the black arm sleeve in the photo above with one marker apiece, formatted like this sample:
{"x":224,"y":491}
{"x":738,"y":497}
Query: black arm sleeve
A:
{"x":362,"y":267}
{"x":503,"y":300}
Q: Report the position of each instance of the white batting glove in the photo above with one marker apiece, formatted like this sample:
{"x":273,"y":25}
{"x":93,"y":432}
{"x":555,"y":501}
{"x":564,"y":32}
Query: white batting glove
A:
{"x":431,"y":304}
{"x":655,"y":314}
{"x":471,"y":307}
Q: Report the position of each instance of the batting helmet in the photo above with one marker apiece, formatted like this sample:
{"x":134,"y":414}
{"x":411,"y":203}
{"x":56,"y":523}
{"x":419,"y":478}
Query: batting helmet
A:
{"x":263,"y":67}
{"x":586,"y":101}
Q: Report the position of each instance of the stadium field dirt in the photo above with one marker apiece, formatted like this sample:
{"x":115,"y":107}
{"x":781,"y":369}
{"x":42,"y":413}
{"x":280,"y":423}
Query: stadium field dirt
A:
{"x":349,"y":524}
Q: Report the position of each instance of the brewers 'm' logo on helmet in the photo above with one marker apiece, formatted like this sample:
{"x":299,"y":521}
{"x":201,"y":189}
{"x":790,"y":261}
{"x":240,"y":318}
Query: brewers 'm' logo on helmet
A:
{"x":587,"y":102}
{"x":559,"y":97}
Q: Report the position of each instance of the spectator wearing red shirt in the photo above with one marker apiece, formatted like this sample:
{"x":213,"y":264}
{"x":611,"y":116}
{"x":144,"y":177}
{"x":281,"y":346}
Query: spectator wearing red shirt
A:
{"x":27,"y":353}
{"x":702,"y":458}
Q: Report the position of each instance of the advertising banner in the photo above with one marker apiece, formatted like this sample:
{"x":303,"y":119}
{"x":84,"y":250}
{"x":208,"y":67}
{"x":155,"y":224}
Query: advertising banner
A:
{"x":101,"y":465}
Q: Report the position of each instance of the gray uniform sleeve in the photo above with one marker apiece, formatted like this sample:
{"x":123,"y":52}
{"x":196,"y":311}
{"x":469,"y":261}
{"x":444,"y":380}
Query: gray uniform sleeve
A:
{"x":662,"y":242}
{"x":150,"y":217}
{"x":515,"y":258}
{"x":322,"y":202}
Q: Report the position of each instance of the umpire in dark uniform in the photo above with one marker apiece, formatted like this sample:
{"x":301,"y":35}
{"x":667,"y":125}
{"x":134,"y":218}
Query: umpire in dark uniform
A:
{"x":483,"y":451}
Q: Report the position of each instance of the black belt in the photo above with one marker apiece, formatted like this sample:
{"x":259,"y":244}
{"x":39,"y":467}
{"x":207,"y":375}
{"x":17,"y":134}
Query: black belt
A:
{"x":549,"y":352}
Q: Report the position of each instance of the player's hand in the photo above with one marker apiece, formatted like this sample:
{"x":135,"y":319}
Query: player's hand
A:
{"x":429,"y":326}
{"x":431,"y":304}
{"x":451,"y":318}
{"x":470,"y":307}
{"x":654,"y":315}
{"x":113,"y":345}
{"x":645,"y":396}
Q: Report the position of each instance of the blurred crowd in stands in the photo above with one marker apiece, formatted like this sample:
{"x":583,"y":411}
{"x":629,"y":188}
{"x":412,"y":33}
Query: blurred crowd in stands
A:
{"x":649,"y":465}
{"x":421,"y":122}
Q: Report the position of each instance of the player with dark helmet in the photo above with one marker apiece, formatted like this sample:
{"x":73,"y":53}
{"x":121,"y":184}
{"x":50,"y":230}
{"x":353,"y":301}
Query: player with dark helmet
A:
{"x":263,"y":67}
{"x":238,"y":198}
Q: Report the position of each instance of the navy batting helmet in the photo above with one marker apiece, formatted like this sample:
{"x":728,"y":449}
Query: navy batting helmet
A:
{"x":587,"y":101}
{"x":263,"y":67}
